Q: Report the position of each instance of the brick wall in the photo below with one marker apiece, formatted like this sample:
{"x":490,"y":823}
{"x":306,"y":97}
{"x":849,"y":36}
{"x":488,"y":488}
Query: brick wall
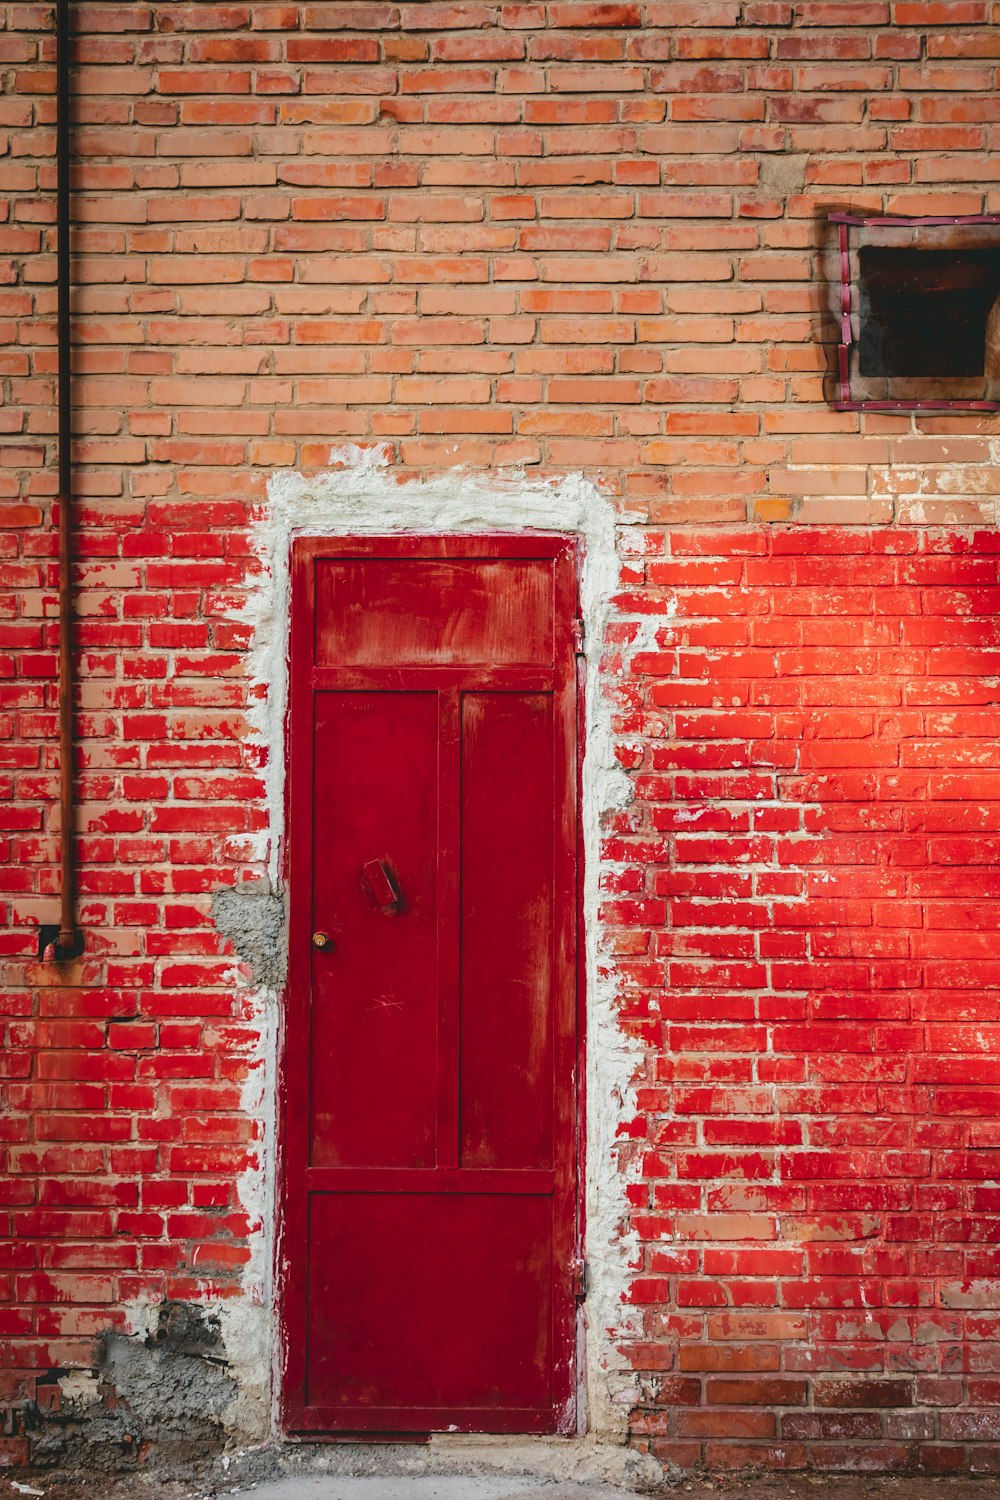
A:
{"x":565,"y":236}
{"x":810,"y":960}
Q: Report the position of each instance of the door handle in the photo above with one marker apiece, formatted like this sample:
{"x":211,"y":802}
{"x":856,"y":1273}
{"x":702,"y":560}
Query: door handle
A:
{"x":381,"y":885}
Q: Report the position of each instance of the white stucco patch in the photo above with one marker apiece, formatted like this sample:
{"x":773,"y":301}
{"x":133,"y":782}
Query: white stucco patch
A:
{"x":248,"y":1324}
{"x":360,"y":495}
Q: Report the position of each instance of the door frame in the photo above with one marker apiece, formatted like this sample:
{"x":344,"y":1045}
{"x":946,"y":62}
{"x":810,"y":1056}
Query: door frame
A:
{"x":299,"y":733}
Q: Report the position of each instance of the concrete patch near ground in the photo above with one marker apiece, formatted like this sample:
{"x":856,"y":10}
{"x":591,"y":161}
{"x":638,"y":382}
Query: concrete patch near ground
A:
{"x":167,"y":1392}
{"x":437,"y":1487}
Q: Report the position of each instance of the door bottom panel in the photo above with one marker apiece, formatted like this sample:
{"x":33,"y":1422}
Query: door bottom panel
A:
{"x":426,"y":1303}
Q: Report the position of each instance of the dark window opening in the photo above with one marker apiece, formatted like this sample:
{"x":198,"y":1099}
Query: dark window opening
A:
{"x":917,"y":309}
{"x":924,"y":312}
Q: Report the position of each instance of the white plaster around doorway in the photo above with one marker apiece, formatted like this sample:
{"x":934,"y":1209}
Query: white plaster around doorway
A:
{"x":360,"y":494}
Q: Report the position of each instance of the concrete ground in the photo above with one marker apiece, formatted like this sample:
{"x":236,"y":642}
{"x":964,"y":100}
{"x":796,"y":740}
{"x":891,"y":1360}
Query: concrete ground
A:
{"x":327,"y":1486}
{"x":455,"y":1488}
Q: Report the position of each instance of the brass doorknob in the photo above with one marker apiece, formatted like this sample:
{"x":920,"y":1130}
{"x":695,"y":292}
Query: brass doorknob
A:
{"x":322,"y":940}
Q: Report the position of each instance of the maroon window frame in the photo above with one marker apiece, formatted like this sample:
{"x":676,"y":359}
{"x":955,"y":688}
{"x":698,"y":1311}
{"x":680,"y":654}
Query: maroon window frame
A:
{"x":847,"y":400}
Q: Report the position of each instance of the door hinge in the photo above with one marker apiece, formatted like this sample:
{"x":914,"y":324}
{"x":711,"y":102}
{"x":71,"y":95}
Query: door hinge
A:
{"x":579,"y":637}
{"x":580,"y":1278}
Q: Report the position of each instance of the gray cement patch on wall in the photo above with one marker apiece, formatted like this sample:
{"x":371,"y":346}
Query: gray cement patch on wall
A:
{"x":158,"y":1402}
{"x":252,"y":917}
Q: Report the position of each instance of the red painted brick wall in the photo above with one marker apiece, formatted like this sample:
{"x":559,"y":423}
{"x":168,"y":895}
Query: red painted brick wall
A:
{"x":566,"y":235}
{"x":808,"y":918}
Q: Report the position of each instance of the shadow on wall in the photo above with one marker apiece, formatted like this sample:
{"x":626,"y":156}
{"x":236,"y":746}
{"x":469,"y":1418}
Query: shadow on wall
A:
{"x":924,"y":310}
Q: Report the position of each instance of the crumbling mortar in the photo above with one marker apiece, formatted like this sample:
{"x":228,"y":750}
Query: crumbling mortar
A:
{"x":253,"y":917}
{"x":155,"y":1400}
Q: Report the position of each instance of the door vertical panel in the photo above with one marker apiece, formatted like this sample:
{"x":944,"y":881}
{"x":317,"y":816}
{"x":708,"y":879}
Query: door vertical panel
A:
{"x":373,"y":1054}
{"x":449,"y":921}
{"x":429,"y":1130}
{"x":507,"y":959}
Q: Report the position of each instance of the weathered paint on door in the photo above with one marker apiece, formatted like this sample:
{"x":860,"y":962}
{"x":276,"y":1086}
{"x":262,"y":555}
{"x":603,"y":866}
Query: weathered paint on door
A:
{"x":431,"y":1056}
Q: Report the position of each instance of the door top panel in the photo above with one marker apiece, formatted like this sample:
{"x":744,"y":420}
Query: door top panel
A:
{"x":433,"y":611}
{"x":436,"y":602}
{"x":422,"y":544}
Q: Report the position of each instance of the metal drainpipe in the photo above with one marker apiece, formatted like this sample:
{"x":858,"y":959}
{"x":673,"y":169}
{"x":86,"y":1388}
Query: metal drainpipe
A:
{"x":65,"y":941}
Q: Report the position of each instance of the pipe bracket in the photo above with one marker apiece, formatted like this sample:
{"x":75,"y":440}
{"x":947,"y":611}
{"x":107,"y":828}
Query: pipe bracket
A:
{"x":57,"y":946}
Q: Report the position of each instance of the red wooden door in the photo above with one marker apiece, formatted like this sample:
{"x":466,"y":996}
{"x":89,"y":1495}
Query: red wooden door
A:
{"x":430,"y":1076}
